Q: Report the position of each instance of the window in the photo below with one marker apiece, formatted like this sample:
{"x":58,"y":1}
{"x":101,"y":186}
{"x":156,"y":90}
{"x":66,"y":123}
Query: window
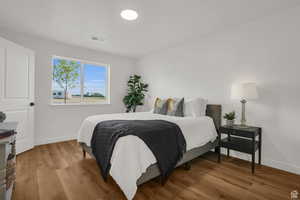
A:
{"x":79,"y":82}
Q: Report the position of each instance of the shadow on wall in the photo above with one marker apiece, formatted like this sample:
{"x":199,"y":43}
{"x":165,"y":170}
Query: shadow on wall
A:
{"x":277,"y":111}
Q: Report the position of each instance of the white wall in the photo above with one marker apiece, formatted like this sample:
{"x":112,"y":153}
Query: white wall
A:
{"x":267,"y":52}
{"x":57,"y":123}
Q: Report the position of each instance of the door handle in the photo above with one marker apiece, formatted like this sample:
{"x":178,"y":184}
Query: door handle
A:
{"x":31,"y":104}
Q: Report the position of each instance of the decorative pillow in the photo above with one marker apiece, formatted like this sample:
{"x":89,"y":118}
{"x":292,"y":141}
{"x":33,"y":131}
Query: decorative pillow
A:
{"x":203,"y":105}
{"x":160,"y":106}
{"x":195,"y":107}
{"x":175,"y":107}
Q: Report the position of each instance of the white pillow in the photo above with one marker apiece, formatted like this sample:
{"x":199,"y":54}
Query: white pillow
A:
{"x":195,"y":107}
{"x":203,"y":104}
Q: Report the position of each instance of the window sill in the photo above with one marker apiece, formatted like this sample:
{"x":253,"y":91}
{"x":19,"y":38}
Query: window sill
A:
{"x":80,"y":104}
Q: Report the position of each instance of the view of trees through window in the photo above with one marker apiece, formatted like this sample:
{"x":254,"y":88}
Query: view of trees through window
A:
{"x":78,"y":82}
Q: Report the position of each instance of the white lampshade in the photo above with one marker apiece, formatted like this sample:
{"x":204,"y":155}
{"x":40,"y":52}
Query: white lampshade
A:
{"x":245,"y":91}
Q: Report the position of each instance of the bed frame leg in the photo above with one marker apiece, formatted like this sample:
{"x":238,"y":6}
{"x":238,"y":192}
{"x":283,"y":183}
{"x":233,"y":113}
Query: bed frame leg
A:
{"x":218,"y":151}
{"x":163,"y":180}
{"x":187,"y":166}
{"x":218,"y":148}
{"x":84,"y":153}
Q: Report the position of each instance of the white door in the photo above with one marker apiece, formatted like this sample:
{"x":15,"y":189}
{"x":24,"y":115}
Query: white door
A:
{"x":17,"y":90}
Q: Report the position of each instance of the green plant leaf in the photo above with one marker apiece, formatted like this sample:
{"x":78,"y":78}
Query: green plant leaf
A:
{"x":135,"y":93}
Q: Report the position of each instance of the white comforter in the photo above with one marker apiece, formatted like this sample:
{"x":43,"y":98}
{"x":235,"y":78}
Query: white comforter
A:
{"x":131,"y":156}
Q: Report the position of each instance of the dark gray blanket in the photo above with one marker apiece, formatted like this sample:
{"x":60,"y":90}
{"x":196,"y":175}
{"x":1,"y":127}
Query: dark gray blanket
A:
{"x":163,"y":138}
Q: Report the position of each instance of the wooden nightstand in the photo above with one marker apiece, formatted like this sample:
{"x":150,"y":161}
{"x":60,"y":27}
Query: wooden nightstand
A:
{"x":242,"y":139}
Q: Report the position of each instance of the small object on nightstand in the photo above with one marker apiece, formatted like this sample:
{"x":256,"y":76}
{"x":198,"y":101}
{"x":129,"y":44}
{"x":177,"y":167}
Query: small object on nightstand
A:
{"x":242,"y":139}
{"x":245,"y":92}
{"x":229,"y":118}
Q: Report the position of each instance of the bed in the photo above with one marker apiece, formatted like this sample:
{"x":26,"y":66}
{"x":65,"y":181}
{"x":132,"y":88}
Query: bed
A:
{"x":132,"y":157}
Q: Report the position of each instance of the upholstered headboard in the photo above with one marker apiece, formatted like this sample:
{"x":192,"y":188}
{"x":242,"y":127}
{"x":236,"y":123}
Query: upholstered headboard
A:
{"x":215,"y":112}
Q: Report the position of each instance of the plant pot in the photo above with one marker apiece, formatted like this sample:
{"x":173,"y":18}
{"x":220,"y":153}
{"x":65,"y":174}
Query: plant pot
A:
{"x":230,"y":122}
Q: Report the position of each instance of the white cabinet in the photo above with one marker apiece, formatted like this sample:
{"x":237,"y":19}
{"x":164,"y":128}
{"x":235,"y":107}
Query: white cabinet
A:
{"x":7,"y":159}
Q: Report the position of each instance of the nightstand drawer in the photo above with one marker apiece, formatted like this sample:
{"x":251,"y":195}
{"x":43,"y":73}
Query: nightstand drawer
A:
{"x":239,"y":144}
{"x":240,"y":132}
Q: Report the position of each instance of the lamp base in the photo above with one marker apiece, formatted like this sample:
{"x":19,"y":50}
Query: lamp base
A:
{"x":243,"y":120}
{"x":243,"y":123}
{"x":240,"y":126}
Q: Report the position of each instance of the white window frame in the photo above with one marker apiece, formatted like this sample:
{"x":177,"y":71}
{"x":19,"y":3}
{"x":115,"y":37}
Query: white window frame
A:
{"x":82,"y":63}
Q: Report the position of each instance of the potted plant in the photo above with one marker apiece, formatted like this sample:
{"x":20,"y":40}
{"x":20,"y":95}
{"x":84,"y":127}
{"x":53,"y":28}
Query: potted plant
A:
{"x":229,"y":118}
{"x":135,"y":93}
{"x":2,"y":117}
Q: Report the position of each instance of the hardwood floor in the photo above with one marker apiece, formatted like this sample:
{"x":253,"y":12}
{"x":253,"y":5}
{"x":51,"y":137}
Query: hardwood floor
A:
{"x":58,"y":171}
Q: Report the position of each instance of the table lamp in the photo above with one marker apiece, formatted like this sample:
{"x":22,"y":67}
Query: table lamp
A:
{"x":244,"y":92}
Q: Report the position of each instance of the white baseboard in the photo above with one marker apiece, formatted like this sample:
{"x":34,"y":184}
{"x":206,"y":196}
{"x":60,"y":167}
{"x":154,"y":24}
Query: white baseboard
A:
{"x":265,"y":161}
{"x":281,"y":165}
{"x":40,"y":141}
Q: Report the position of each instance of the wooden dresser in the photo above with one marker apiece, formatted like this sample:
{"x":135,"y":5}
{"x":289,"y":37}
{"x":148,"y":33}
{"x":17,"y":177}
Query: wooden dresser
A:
{"x":7,"y":159}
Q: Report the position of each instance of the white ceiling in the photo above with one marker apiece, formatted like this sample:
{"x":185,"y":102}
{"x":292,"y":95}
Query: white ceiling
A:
{"x":161,"y":23}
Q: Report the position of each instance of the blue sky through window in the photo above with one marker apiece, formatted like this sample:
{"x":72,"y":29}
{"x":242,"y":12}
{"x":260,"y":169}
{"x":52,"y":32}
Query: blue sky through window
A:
{"x":94,"y":79}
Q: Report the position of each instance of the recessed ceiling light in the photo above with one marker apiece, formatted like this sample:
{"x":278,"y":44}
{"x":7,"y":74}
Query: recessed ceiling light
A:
{"x":129,"y":14}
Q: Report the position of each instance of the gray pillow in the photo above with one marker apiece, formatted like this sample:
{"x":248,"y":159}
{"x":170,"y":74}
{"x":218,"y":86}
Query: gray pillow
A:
{"x":175,"y":107}
{"x":160,"y":106}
